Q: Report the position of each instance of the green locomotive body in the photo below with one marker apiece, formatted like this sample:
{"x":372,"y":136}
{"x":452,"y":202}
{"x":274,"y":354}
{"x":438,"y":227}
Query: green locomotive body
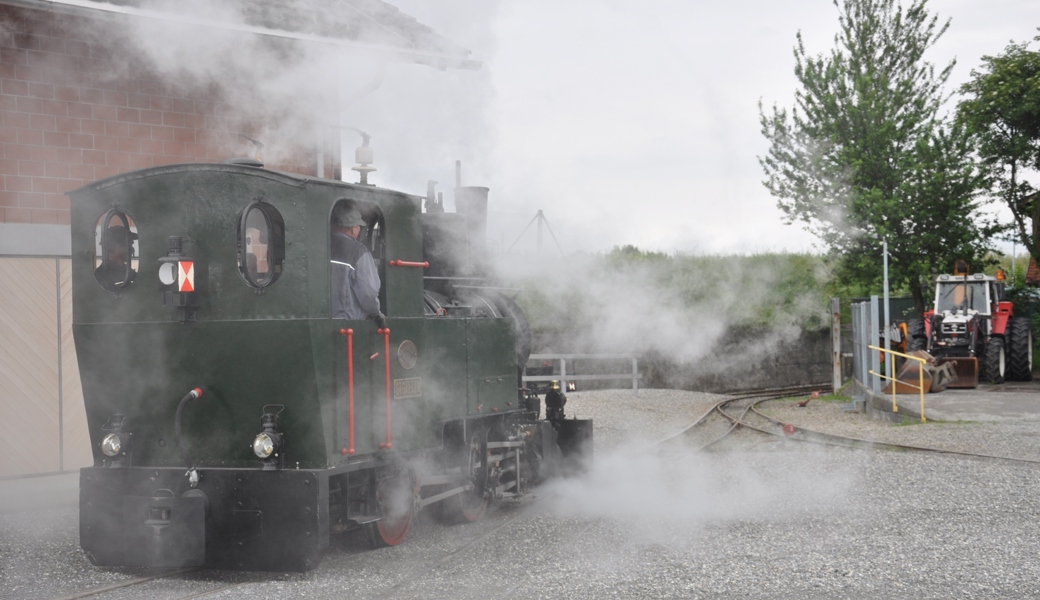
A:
{"x":214,"y":280}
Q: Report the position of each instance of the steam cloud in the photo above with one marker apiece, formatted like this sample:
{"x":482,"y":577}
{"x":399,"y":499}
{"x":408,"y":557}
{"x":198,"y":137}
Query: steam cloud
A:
{"x":668,"y":498}
{"x":288,"y":93}
{"x":679,"y":307}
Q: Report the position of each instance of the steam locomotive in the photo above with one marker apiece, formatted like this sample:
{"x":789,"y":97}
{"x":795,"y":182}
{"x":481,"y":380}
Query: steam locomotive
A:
{"x":235,"y":424}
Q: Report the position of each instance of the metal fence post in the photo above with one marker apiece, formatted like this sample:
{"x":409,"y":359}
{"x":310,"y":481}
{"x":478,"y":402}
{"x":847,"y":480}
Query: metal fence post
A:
{"x":875,"y":340}
{"x":855,"y":341}
{"x":860,"y":343}
{"x":635,"y":377}
{"x":563,"y":375}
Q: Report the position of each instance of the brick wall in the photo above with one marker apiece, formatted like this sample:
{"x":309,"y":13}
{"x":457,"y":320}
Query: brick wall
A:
{"x":66,"y":120}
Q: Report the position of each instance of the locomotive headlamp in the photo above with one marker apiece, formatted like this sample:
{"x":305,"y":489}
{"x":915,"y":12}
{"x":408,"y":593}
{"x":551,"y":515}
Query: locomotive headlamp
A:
{"x":116,"y":443}
{"x":267,"y":445}
{"x":263,"y":445}
{"x":111,"y":445}
{"x":167,"y":272}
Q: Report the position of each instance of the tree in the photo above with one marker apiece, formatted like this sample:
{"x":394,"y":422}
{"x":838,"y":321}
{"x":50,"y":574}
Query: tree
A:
{"x":1001,"y":111}
{"x":862,"y":156}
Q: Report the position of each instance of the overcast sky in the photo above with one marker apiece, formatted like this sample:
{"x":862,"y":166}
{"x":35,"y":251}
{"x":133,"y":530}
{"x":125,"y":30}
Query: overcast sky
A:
{"x":626,"y":122}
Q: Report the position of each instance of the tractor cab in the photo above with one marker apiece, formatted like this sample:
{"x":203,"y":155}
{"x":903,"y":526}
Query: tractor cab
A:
{"x":963,"y":302}
{"x":965,"y":297}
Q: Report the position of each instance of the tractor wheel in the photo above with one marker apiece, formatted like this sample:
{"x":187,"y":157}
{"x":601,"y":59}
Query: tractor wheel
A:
{"x":1020,"y":350}
{"x":915,"y":336}
{"x":994,"y":360}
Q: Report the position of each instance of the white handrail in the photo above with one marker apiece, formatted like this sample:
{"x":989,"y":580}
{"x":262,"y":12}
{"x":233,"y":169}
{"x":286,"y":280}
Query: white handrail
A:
{"x":563,"y":378}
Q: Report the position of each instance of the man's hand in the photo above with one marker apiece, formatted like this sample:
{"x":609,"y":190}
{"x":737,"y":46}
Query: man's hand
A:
{"x":380,"y":320}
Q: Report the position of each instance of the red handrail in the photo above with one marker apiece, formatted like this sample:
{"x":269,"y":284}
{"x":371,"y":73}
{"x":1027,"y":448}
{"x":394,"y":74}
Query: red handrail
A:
{"x":385,"y":332}
{"x":405,"y":263}
{"x":350,"y":388}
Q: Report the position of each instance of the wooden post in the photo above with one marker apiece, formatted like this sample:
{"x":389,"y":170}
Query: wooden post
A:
{"x":835,"y":345}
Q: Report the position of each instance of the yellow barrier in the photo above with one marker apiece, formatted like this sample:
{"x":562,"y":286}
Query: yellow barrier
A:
{"x":920,"y":374}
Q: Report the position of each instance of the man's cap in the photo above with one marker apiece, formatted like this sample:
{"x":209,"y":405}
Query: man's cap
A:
{"x":118,"y":232}
{"x":347,"y":217}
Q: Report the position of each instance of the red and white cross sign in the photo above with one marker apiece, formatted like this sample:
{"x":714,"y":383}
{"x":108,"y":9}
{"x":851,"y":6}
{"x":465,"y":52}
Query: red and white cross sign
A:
{"x":186,"y":276}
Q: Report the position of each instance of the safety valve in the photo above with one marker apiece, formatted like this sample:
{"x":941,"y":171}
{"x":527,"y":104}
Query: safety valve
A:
{"x":267,"y":445}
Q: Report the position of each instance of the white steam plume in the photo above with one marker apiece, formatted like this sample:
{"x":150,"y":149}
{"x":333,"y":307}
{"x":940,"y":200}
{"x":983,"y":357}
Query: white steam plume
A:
{"x":667,"y":499}
{"x":677,"y":306}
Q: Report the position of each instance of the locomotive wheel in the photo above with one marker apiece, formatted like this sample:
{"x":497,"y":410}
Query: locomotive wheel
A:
{"x":470,"y":506}
{"x":396,"y":500}
{"x":994,"y":359}
{"x":1020,"y":350}
{"x":388,"y":532}
{"x":467,"y":507}
{"x":916,"y":339}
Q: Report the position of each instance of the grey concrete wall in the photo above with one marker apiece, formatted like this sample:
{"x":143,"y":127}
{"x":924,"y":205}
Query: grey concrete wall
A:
{"x":21,"y":239}
{"x":744,"y":359}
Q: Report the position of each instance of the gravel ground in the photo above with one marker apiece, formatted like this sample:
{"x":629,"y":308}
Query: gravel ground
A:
{"x":780,"y":520}
{"x":1017,"y":439}
{"x":622,"y":417}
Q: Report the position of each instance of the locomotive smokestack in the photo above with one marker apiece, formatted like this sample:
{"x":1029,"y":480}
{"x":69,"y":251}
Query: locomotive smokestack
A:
{"x":472,"y":202}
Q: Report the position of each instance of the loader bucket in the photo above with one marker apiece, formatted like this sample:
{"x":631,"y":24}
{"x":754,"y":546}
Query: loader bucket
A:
{"x":909,"y":378}
{"x":933,"y":377}
{"x":966,"y":368}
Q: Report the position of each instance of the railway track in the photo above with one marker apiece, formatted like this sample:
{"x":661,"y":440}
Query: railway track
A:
{"x":725,"y":421}
{"x":741,"y":413}
{"x":218,"y":587}
{"x":727,"y":416}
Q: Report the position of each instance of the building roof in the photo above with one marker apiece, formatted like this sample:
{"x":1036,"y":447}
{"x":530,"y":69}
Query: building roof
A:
{"x":369,"y":25}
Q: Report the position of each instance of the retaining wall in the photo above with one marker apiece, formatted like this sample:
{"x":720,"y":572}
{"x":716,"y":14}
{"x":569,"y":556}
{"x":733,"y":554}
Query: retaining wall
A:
{"x":743,"y":359}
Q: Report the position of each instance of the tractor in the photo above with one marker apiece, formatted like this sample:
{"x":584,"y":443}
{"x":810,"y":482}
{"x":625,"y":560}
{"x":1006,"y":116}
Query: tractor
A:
{"x":971,"y":325}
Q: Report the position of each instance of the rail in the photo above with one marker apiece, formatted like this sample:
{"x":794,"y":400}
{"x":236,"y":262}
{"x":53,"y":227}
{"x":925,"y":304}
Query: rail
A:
{"x":563,"y":378}
{"x":892,"y":369}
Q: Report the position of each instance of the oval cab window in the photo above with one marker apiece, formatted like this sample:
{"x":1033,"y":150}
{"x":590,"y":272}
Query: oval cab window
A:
{"x":116,"y":250}
{"x":261,"y":244}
